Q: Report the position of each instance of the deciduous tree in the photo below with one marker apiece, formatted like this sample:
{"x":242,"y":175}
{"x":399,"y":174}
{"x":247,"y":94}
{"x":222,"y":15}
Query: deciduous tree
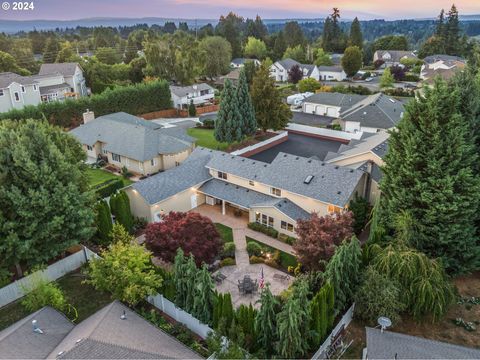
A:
{"x":295,"y":74}
{"x":386,"y":80}
{"x":352,"y":60}
{"x":255,"y":48}
{"x":216,"y":54}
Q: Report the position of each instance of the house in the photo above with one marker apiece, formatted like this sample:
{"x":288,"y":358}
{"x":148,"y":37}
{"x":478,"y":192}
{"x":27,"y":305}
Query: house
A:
{"x":124,"y":140}
{"x":393,"y":57}
{"x":199,"y":93}
{"x":443,"y":66}
{"x":391,"y":345}
{"x":233,"y":76}
{"x":279,"y":70}
{"x":331,"y":73}
{"x":356,"y":113}
{"x":17,"y":91}
{"x":72,"y":74}
{"x":274,"y":194}
{"x":240,"y":62}
{"x":114,"y":332}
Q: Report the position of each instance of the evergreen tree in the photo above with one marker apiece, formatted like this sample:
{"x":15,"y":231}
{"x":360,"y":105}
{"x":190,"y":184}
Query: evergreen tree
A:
{"x":228,"y":125}
{"x":356,"y":37}
{"x":266,"y":321}
{"x":120,"y":207}
{"x":245,"y":106}
{"x":227,"y":310}
{"x":452,"y":33}
{"x":279,"y":46}
{"x":330,"y":293}
{"x":192,"y":110}
{"x":386,"y":80}
{"x":179,"y":279}
{"x":295,"y":34}
{"x":103,"y":221}
{"x":217,"y":310}
{"x":190,"y":273}
{"x":204,"y":299}
{"x":352,"y":60}
{"x":270,"y":111}
{"x":435,"y":180}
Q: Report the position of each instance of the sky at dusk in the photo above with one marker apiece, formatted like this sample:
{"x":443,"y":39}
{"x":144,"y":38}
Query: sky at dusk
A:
{"x":212,"y":9}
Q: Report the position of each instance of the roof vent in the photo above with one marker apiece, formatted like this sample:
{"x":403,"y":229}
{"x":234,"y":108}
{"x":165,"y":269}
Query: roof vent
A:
{"x":309,"y":161}
{"x":243,"y":160}
{"x":323,"y":164}
{"x":339,"y":192}
{"x":308,"y":179}
{"x":297,"y":158}
{"x":123,"y":316}
{"x":284,"y":155}
{"x":36,"y":329}
{"x":336,"y":167}
{"x":223,"y":154}
{"x":351,"y":170}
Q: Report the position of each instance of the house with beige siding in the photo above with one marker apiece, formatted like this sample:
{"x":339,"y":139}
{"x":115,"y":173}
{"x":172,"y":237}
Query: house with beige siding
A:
{"x":275,"y":194}
{"x":124,"y":140}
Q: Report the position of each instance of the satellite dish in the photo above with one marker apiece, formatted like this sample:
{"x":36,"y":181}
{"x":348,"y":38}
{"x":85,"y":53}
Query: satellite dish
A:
{"x":384,"y":322}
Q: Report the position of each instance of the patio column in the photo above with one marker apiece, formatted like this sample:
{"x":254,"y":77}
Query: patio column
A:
{"x":223,"y":207}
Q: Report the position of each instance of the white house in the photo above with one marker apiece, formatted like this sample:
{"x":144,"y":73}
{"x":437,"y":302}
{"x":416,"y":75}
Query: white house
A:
{"x":279,"y":70}
{"x":393,"y":57}
{"x":240,"y":62}
{"x":72,"y":74}
{"x":199,"y":93}
{"x":331,"y":73}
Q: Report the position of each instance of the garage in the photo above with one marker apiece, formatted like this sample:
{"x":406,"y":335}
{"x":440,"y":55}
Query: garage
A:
{"x":320,"y":110}
{"x":309,"y":108}
{"x":331,"y":112}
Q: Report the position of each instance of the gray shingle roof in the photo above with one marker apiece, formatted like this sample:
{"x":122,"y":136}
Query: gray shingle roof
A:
{"x":442,"y":57}
{"x":168,"y":183}
{"x":333,"y":68}
{"x":311,"y":119}
{"x":389,"y":345}
{"x":6,"y":78}
{"x":182,"y":91}
{"x":287,"y":64}
{"x":66,"y":69}
{"x":397,"y":55}
{"x":249,"y":198}
{"x":53,"y":88}
{"x":20,"y":342}
{"x":331,"y":184}
{"x":344,"y":101}
{"x":239,"y":61}
{"x":133,"y":137}
{"x":381,"y":149}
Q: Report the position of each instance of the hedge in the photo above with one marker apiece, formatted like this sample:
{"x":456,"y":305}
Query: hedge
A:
{"x":263,"y":229}
{"x":108,"y":188}
{"x":283,"y":259}
{"x":133,"y":99}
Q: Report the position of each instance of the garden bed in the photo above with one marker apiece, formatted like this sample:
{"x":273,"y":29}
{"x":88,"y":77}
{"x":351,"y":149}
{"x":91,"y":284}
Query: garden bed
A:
{"x":285,"y":259}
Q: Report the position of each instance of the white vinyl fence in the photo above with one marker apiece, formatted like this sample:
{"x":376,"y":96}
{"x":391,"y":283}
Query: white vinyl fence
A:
{"x":16,"y":290}
{"x":345,"y":321}
{"x":179,"y":315}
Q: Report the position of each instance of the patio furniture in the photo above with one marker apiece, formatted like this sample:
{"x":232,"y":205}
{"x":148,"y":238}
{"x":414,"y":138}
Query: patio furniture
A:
{"x":281,"y":277}
{"x":219,"y":277}
{"x":247,"y":284}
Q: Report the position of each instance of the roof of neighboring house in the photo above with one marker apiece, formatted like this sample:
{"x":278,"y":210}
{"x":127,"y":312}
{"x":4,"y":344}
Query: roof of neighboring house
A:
{"x":233,"y":76}
{"x":53,"y":88}
{"x":442,"y":57}
{"x":7,"y":78}
{"x":163,"y":185}
{"x":66,"y":69}
{"x":287,"y":64}
{"x":376,"y":111}
{"x":241,"y":61}
{"x":247,"y":198}
{"x":377,"y":144}
{"x":396,"y":55}
{"x":104,"y":335}
{"x":132,"y":137}
{"x":182,"y":91}
{"x":333,"y":68}
{"x":310,"y":119}
{"x":330,"y":184}
{"x":344,"y":101}
{"x":390,"y":345}
{"x":18,"y":341}
{"x":429,"y":75}
{"x":309,"y":68}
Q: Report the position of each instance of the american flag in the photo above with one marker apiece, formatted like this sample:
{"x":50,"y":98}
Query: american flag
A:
{"x":262,"y":280}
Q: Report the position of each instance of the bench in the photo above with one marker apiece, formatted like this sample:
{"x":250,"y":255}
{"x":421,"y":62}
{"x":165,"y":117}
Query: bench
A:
{"x":281,"y":277}
{"x":219,"y":277}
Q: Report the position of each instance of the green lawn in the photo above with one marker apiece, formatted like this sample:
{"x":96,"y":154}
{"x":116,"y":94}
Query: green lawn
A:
{"x":206,"y":139}
{"x":286,"y":259}
{"x":84,"y":298}
{"x":99,"y":176}
{"x":225,"y":232}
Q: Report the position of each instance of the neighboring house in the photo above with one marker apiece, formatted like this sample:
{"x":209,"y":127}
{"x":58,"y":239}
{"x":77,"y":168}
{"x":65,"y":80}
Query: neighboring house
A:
{"x":443,"y":66}
{"x":331,"y":73}
{"x":356,"y":113}
{"x":275,"y":194}
{"x":72,"y":74}
{"x":366,"y":154}
{"x":279,"y":70}
{"x":391,"y":345}
{"x":240,"y":62}
{"x":233,"y":76}
{"x":17,"y":91}
{"x":124,"y":140}
{"x":199,"y":93}
{"x":393,"y":57}
{"x":114,"y":332}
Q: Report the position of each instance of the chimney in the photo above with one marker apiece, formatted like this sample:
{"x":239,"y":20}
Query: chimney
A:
{"x":88,"y":116}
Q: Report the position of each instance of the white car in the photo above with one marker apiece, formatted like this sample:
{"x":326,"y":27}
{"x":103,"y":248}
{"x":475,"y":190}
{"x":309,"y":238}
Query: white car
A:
{"x":368,"y":79}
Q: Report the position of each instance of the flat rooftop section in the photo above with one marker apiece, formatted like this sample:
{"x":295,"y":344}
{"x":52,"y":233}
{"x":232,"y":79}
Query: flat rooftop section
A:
{"x":300,"y":145}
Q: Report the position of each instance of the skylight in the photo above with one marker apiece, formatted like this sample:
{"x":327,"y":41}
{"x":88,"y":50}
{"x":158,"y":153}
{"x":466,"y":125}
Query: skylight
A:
{"x":308,"y":179}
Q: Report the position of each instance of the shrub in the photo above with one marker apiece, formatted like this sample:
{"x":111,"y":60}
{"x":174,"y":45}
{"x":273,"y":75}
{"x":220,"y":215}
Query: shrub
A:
{"x":5,"y":277}
{"x":411,"y":77}
{"x":227,"y":262}
{"x":44,"y":294}
{"x":208,"y":124}
{"x":286,"y":239}
{"x":120,"y":207}
{"x":399,"y":92}
{"x":108,"y":188}
{"x":103,"y":221}
{"x":254,"y":248}
{"x":360,"y":208}
{"x":271,"y":262}
{"x":228,"y":250}
{"x":256,"y":260}
{"x":263,"y":229}
{"x":378,"y":296}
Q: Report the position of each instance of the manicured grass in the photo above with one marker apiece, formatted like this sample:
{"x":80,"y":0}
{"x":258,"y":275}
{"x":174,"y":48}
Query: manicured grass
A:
{"x":286,"y":259}
{"x":84,"y":298}
{"x":206,"y":139}
{"x":99,"y":176}
{"x":225,"y":232}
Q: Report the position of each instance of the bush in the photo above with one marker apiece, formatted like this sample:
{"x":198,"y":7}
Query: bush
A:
{"x":108,"y":188}
{"x":45,"y":294}
{"x":228,"y":250}
{"x":411,"y":77}
{"x":254,"y":248}
{"x":271,"y":262}
{"x":256,"y":260}
{"x":227,"y":262}
{"x":263,"y":229}
{"x":399,"y":92}
{"x":360,"y":208}
{"x":208,"y":124}
{"x":286,"y":238}
{"x":378,"y":296}
{"x":139,"y":223}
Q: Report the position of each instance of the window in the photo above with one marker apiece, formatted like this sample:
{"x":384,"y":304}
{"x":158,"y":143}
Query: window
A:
{"x":89,"y":148}
{"x":23,"y":89}
{"x":222,"y":175}
{"x":264,"y":219}
{"x":116,"y":157}
{"x":334,"y":209}
{"x":1,"y":92}
{"x":153,"y":162}
{"x":270,"y":221}
{"x":35,"y":87}
{"x":275,"y":191}
{"x":204,"y":92}
{"x":105,"y":151}
{"x":257,"y":217}
{"x":17,"y":96}
{"x":251,"y":183}
{"x":286,"y":226}
{"x":177,"y":163}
